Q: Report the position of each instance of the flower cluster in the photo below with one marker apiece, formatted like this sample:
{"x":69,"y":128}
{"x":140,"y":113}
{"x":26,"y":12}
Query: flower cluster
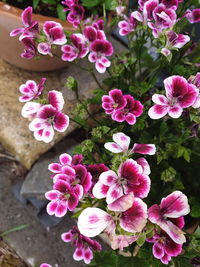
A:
{"x":84,"y":245}
{"x":93,"y":41}
{"x":53,"y":34}
{"x":179,"y":94}
{"x":122,"y":107}
{"x":71,"y":180}
{"x":45,"y":114}
{"x":160,"y":16}
{"x":76,"y":12}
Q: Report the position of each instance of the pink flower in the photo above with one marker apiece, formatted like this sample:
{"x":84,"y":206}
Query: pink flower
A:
{"x":93,"y":221}
{"x":78,"y":49}
{"x":130,"y":112}
{"x":121,"y":144}
{"x":171,"y":3}
{"x":115,"y":100}
{"x":99,"y":50}
{"x":48,"y":119}
{"x":171,"y":207}
{"x":45,"y":265}
{"x":164,"y":247}
{"x":180,"y":94}
{"x":131,"y":177}
{"x":31,"y":90}
{"x":75,"y":15}
{"x":84,"y":245}
{"x":120,"y":10}
{"x":30,"y":49}
{"x":91,"y":33}
{"x":63,"y":197}
{"x":193,"y":16}
{"x":127,"y":26}
{"x":174,"y":40}
{"x":69,"y":3}
{"x":98,"y":24}
{"x":55,"y":36}
{"x":196,"y":81}
{"x":164,"y":18}
{"x":65,"y":161}
{"x":30,"y":28}
{"x":121,"y":241}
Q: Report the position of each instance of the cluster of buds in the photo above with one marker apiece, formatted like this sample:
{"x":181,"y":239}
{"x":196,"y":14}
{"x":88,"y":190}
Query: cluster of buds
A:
{"x":122,"y":107}
{"x":45,"y":114}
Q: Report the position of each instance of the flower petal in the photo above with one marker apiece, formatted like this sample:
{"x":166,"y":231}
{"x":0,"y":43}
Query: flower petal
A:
{"x":145,"y":149}
{"x":92,"y":221}
{"x":134,"y":219}
{"x":175,"y":205}
{"x":157,"y":111}
{"x":123,"y":203}
{"x":122,"y":140}
{"x":56,"y":99}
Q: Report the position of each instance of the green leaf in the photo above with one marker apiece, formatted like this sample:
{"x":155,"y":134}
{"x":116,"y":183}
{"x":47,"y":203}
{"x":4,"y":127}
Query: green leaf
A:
{"x":18,"y":228}
{"x":111,"y":4}
{"x":104,"y":259}
{"x":184,"y":152}
{"x":60,"y":12}
{"x":141,"y":240}
{"x":131,"y":262}
{"x":35,"y":3}
{"x":168,"y":175}
{"x":197,"y":232}
{"x":100,"y":131}
{"x":91,"y":3}
{"x":195,"y":210}
{"x":50,"y":2}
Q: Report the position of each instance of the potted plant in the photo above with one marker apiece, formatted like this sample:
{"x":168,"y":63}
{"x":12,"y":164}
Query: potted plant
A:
{"x":44,"y":10}
{"x":135,"y":177}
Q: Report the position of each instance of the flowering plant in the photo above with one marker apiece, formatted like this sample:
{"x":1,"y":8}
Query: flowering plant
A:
{"x":150,"y":99}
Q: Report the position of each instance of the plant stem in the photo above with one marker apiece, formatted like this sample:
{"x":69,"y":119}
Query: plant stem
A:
{"x":96,"y":80}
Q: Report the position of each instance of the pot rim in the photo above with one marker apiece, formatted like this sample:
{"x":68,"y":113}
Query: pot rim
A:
{"x":16,"y":12}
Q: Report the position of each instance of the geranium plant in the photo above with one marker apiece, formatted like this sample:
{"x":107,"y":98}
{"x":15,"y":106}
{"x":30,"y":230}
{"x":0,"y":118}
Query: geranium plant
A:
{"x":136,"y":178}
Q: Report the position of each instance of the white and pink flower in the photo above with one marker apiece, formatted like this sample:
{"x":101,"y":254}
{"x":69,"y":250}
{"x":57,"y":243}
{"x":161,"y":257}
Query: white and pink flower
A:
{"x":31,"y":90}
{"x":63,"y":197}
{"x":179,"y":94}
{"x":99,"y":50}
{"x":121,"y":144}
{"x":113,"y":101}
{"x":55,"y":36}
{"x":31,"y":27}
{"x":129,"y":112}
{"x":193,"y":16}
{"x":127,"y":26}
{"x":93,"y":221}
{"x":174,"y":40}
{"x":50,"y":117}
{"x":30,"y":49}
{"x":164,"y":247}
{"x":77,"y":49}
{"x":84,"y":245}
{"x":164,"y":18}
{"x":131,"y":178}
{"x":171,"y":208}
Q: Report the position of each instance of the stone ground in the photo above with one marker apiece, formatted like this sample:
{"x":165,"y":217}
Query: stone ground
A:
{"x":34,"y":244}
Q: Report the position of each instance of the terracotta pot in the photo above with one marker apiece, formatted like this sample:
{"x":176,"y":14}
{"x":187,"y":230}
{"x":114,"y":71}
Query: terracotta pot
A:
{"x":11,"y":48}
